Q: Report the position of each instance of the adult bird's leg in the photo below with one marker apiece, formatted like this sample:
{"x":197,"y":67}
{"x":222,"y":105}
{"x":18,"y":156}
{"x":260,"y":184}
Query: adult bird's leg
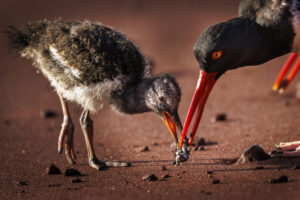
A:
{"x":67,"y":129}
{"x":87,"y":127}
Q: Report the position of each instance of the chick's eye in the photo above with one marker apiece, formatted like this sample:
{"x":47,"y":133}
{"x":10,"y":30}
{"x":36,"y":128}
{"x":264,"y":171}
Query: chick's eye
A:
{"x":163,"y":99}
{"x":217,"y":55}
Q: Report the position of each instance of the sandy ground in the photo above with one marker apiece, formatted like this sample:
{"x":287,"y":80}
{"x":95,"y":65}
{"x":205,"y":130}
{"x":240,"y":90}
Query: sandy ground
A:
{"x":165,"y":31}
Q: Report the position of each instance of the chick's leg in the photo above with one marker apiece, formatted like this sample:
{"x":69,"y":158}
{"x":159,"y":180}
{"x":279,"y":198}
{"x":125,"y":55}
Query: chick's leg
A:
{"x":66,"y":134}
{"x":87,"y":128}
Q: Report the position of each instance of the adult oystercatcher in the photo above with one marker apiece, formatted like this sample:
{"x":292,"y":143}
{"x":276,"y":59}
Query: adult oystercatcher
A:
{"x":265,"y":29}
{"x":91,"y":64}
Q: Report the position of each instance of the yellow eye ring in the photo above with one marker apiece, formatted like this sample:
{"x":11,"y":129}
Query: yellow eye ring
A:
{"x":217,"y":55}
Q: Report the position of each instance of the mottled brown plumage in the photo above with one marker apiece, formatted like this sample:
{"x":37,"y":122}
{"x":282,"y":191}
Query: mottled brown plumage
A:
{"x":92,"y":64}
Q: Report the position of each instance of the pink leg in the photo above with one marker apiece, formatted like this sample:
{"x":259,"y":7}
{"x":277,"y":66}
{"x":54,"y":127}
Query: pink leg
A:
{"x":288,"y":146}
{"x":290,"y":154}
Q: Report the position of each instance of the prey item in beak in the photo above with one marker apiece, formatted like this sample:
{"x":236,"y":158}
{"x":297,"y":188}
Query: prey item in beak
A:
{"x":281,"y":83}
{"x":171,"y":125}
{"x":171,"y":121}
{"x":204,"y":86}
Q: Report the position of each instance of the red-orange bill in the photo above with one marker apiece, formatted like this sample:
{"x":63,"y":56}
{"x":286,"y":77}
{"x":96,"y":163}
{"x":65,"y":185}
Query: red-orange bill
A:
{"x":281,"y":83}
{"x":171,"y":125}
{"x":204,"y":86}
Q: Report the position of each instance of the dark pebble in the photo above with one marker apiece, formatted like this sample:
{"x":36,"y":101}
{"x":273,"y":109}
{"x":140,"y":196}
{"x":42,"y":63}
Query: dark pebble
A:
{"x":52,"y":169}
{"x":282,"y":179}
{"x":201,"y":142}
{"x":163,"y":168}
{"x":209,"y":172}
{"x":208,"y":193}
{"x":144,"y":149}
{"x":151,"y":177}
{"x":253,"y":153}
{"x":7,"y":122}
{"x":259,"y":167}
{"x":47,"y":114}
{"x":296,"y":167}
{"x":215,"y":181}
{"x":77,"y":180}
{"x":72,"y":172}
{"x":72,"y":188}
{"x":54,"y":185}
{"x":166,"y":176}
{"x":22,"y":183}
{"x":221,"y":117}
{"x":287,"y":103}
{"x":155,"y":144}
{"x":201,"y":148}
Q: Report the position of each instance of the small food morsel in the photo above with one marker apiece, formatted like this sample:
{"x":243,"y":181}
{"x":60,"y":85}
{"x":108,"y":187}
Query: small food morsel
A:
{"x":253,"y":153}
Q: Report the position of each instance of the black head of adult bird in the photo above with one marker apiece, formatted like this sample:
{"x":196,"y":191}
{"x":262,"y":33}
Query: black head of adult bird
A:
{"x":265,"y":29}
{"x":92,"y":64}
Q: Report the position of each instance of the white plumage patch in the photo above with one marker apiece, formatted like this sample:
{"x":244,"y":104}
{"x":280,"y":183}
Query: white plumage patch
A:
{"x":63,"y":63}
{"x":91,"y":97}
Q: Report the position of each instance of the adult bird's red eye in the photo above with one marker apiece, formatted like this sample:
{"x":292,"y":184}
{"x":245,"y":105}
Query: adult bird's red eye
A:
{"x":216,"y":55}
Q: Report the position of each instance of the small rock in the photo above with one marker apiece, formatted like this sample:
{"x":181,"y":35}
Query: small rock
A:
{"x":201,"y":148}
{"x":7,"y":122}
{"x":163,"y":168}
{"x":72,"y":172}
{"x":54,"y":185}
{"x":155,"y":144}
{"x":52,"y":169}
{"x":296,"y":167}
{"x":203,"y":192}
{"x":47,"y":114}
{"x":165,"y":176}
{"x":151,"y":177}
{"x":22,"y":183}
{"x":253,"y":153}
{"x":259,"y":167}
{"x":221,"y":117}
{"x":144,"y":149}
{"x":77,"y":180}
{"x":287,"y":102}
{"x":215,"y":181}
{"x":201,"y":142}
{"x":282,"y":179}
{"x":209,"y":172}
